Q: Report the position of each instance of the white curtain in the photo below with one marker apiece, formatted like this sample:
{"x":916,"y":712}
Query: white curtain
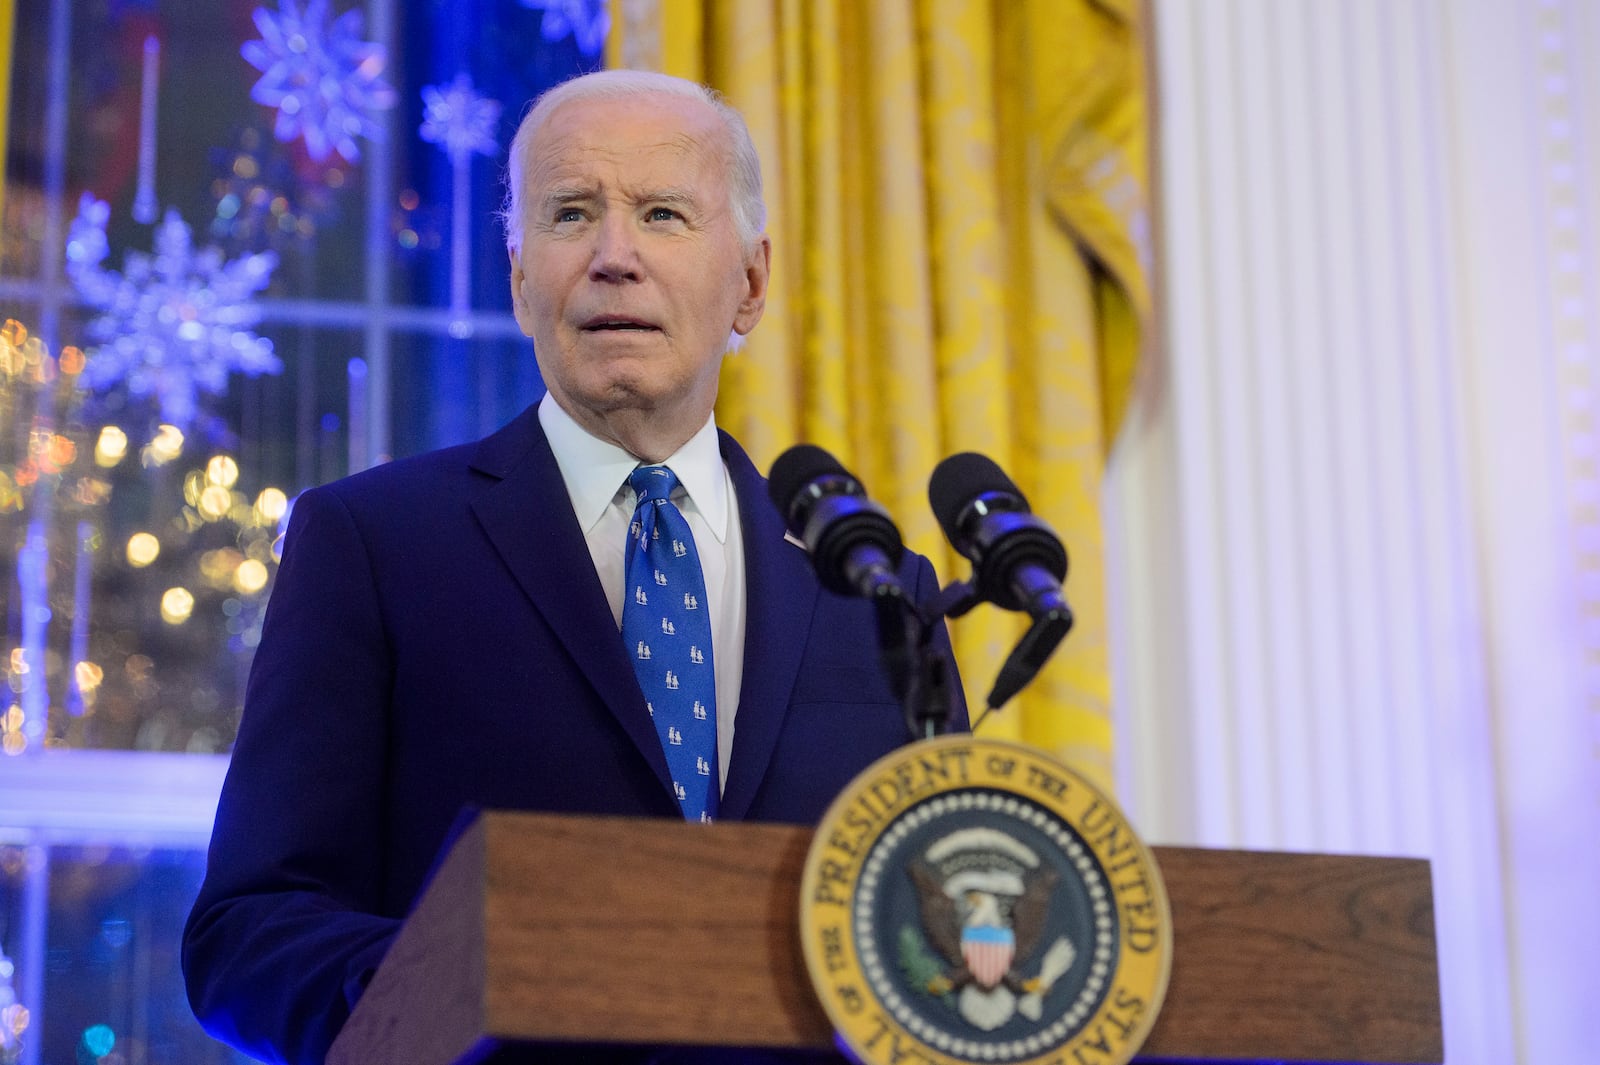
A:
{"x":1355,"y":529}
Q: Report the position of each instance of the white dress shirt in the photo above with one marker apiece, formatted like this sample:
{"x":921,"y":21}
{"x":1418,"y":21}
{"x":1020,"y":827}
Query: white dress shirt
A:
{"x":596,"y":476}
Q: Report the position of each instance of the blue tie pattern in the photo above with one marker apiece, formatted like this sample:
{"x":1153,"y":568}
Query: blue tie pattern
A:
{"x":666,"y":626}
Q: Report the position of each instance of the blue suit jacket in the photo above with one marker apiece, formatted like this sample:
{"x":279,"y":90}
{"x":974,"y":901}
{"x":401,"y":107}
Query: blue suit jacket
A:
{"x":438,"y":640}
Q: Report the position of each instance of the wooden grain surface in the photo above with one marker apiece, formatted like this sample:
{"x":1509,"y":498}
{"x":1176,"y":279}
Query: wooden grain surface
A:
{"x":541,"y":928}
{"x":1308,"y":957}
{"x":720,"y":903}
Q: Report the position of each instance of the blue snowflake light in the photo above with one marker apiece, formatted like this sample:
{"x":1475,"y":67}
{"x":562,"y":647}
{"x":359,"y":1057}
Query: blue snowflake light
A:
{"x":460,"y":121}
{"x":587,"y":21}
{"x":172,"y":324}
{"x":325,"y":81}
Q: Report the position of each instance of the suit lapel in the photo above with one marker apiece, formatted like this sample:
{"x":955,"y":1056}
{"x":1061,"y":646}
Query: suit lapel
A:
{"x":530,"y":522}
{"x":780,"y":596}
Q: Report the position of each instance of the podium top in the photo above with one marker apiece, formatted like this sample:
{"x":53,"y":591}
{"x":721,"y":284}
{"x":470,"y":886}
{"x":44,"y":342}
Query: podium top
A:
{"x":542,"y":929}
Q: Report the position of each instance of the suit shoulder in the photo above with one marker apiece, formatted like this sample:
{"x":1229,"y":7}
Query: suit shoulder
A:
{"x":416,"y":473}
{"x":434,"y":478}
{"x":409,"y":491}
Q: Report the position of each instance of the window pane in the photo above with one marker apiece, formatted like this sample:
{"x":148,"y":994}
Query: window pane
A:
{"x":112,"y":988}
{"x":297,"y":290}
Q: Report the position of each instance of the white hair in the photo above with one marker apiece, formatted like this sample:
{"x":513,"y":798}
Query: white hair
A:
{"x":744,"y":165}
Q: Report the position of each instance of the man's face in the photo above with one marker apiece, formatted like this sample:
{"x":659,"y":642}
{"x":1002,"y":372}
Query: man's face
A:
{"x":631,"y":273}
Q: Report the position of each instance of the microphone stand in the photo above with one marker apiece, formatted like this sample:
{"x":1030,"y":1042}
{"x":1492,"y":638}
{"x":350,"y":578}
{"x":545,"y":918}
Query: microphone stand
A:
{"x":1049,"y":628}
{"x":920,"y":670}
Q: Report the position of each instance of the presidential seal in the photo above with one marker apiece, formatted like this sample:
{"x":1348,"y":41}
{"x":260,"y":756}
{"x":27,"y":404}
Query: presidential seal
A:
{"x":972,"y":900}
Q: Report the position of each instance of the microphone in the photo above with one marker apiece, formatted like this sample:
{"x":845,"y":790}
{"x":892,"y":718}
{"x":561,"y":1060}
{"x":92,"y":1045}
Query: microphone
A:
{"x":1018,"y":562}
{"x":854,"y":544}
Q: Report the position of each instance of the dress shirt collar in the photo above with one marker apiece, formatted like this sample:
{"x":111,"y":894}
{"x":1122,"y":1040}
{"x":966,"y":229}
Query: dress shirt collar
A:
{"x":596,"y":471}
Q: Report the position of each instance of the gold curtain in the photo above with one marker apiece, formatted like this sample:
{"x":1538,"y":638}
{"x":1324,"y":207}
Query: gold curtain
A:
{"x":956,"y":202}
{"x":7,"y":27}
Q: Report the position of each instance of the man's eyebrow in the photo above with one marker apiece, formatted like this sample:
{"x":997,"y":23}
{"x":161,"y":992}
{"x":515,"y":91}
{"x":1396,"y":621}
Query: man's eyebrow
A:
{"x":563,"y":194}
{"x":673,"y":196}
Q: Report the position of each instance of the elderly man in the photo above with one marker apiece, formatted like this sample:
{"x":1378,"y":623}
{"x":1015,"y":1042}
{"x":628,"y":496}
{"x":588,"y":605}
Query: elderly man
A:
{"x":444,"y":633}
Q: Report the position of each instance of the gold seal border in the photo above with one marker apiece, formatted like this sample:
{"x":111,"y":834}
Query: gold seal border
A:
{"x":854,"y":825}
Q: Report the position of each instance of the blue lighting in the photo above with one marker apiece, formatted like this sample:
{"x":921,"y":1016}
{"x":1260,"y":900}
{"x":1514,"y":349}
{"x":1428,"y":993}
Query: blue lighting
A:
{"x":98,"y":1040}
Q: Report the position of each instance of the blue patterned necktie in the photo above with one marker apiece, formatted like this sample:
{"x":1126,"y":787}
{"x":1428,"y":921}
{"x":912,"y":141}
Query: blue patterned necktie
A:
{"x":666,"y":626}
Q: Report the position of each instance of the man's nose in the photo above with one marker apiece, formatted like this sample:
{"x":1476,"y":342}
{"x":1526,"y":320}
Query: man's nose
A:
{"x":616,"y":253}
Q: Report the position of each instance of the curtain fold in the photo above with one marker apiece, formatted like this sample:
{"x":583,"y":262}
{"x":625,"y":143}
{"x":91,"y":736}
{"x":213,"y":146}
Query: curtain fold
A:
{"x":956,"y":200}
{"x":7,"y":30}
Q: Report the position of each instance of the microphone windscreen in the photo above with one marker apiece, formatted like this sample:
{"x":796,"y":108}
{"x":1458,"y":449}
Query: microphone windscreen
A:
{"x":793,"y":470}
{"x":960,"y":479}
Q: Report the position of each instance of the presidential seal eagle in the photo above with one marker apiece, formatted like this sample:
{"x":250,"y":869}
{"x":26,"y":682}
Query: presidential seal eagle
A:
{"x":984,"y":900}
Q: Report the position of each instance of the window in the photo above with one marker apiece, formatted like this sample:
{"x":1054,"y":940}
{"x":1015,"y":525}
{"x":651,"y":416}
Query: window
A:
{"x":229,"y":271}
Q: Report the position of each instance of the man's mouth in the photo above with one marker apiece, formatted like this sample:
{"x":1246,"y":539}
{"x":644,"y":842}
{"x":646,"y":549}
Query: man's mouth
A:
{"x":618,"y":324}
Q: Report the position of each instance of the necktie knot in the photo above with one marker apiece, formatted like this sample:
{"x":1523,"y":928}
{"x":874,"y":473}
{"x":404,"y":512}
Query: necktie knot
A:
{"x":653,"y":483}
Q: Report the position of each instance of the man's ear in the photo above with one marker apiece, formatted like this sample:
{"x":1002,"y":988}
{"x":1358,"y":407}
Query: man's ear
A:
{"x":757,"y":272}
{"x":519,"y":302}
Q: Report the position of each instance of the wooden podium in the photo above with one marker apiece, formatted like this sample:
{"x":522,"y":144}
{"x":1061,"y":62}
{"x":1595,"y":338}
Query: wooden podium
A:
{"x":541,"y":929}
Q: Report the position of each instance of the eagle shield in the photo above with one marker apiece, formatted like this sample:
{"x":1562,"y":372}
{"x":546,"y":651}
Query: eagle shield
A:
{"x":988,"y":949}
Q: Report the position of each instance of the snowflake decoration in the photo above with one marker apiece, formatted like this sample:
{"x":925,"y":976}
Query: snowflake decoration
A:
{"x":174,"y":323}
{"x":324,"y":80}
{"x":587,"y":21}
{"x":456,"y":118}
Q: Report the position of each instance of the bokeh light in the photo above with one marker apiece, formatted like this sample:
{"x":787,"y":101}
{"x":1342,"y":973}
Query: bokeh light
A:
{"x":60,"y":451}
{"x":143,"y":548}
{"x":214,"y":502}
{"x":217,"y":566}
{"x":250,"y":577}
{"x":14,"y":1019}
{"x":164,"y":447}
{"x":270,"y":505}
{"x":88,"y":676}
{"x":176,"y":605}
{"x":223,"y":470}
{"x":111,"y":448}
{"x":90,"y":492}
{"x":12,"y":739}
{"x":98,"y":1039}
{"x":13,"y":333}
